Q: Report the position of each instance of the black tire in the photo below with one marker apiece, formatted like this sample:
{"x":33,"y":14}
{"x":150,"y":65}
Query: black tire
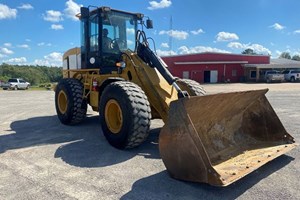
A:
{"x":134,"y":112}
{"x":292,"y":79}
{"x":192,"y":87}
{"x":70,"y":106}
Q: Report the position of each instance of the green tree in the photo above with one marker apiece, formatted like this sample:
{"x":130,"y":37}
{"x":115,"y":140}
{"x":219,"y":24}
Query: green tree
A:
{"x":33,"y":74}
{"x":296,"y":57}
{"x":249,"y":52}
{"x":285,"y":55}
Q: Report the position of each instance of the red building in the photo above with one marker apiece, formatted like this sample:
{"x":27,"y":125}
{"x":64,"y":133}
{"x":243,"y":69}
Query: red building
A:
{"x":213,"y":67}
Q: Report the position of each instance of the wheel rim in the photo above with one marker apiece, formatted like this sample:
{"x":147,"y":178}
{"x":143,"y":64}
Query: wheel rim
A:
{"x":113,"y":116}
{"x":62,"y":102}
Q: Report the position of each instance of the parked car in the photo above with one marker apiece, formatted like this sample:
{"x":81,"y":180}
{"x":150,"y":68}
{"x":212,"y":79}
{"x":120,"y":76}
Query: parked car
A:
{"x":15,"y":84}
{"x":292,"y":75}
{"x":273,"y":76}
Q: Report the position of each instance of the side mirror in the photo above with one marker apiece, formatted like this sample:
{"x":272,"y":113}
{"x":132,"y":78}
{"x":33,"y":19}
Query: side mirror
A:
{"x":149,"y":24}
{"x":85,"y":12}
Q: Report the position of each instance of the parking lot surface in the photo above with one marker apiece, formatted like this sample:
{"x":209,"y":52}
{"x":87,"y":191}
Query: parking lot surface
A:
{"x":42,"y":159}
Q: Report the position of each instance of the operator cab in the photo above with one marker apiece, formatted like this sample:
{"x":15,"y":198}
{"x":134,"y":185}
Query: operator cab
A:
{"x":105,"y":34}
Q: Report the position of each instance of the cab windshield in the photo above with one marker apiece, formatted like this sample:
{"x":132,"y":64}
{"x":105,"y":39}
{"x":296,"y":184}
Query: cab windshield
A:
{"x":118,"y":32}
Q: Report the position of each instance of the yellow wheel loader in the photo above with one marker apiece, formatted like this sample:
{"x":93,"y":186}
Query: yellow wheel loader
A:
{"x":216,"y":139}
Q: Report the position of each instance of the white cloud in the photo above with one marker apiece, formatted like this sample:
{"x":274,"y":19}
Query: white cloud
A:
{"x":52,"y":59}
{"x":180,"y":35}
{"x":41,"y":62}
{"x":130,"y":31}
{"x":260,"y":49}
{"x":72,"y":9}
{"x":2,"y":56}
{"x":158,"y":5}
{"x":26,"y":6}
{"x":24,"y":46}
{"x":296,"y":52}
{"x":54,"y":56}
{"x":53,"y":16}
{"x":278,"y":52}
{"x":57,"y":27}
{"x":225,"y":37}
{"x":19,"y":60}
{"x":297,"y":31}
{"x":277,"y":26}
{"x":44,"y":44}
{"x":164,"y":45}
{"x":197,"y":32}
{"x":165,"y":53}
{"x":199,"y":49}
{"x":237,"y":45}
{"x":6,"y":51}
{"x":7,"y":44}
{"x":130,"y":42}
{"x":7,"y":13}
{"x":255,"y":47}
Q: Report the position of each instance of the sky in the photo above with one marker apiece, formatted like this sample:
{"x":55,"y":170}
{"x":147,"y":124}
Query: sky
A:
{"x":38,"y":32}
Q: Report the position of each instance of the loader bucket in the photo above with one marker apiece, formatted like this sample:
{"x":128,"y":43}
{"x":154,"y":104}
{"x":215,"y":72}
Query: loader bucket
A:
{"x":218,"y":139}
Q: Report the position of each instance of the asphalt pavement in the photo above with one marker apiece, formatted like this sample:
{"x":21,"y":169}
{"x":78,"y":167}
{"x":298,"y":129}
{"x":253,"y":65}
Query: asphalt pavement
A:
{"x":42,"y":159}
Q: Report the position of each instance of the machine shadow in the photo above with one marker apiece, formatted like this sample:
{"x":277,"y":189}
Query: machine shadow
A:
{"x":95,"y":152}
{"x":162,"y":186}
{"x":82,"y":145}
{"x":34,"y":132}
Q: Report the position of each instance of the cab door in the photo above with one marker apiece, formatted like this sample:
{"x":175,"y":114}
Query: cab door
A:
{"x":94,"y":58}
{"x":21,"y":84}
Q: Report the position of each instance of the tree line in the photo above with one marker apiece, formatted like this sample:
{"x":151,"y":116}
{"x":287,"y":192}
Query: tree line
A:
{"x":35,"y":75}
{"x":285,"y":55}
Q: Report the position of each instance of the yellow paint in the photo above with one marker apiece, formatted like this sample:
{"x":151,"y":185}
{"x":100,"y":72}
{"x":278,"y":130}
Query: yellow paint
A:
{"x":94,"y":96}
{"x":159,"y":92}
{"x":113,"y":116}
{"x":62,"y":102}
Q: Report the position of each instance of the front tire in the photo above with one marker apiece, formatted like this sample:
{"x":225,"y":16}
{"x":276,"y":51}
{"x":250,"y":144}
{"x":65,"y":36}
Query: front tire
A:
{"x":125,"y":114}
{"x":70,"y":105}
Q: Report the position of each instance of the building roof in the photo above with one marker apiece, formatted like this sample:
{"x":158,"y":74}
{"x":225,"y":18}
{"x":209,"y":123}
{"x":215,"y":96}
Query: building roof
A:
{"x":213,"y":53}
{"x":277,"y":63}
{"x":210,"y":62}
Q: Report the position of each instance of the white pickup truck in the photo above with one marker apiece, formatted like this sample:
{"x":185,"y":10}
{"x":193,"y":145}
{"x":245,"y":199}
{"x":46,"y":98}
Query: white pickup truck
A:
{"x":273,"y":76}
{"x":292,"y":75}
{"x":15,"y":84}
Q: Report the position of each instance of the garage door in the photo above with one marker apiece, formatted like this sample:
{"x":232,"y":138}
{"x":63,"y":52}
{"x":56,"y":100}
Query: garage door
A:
{"x":213,"y":76}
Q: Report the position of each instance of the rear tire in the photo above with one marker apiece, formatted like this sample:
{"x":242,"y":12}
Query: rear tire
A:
{"x":125,"y":114}
{"x":70,"y":106}
{"x":292,"y":79}
{"x":192,"y":87}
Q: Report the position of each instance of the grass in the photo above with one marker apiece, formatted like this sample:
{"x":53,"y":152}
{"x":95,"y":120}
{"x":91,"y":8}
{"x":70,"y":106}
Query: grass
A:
{"x":37,"y":88}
